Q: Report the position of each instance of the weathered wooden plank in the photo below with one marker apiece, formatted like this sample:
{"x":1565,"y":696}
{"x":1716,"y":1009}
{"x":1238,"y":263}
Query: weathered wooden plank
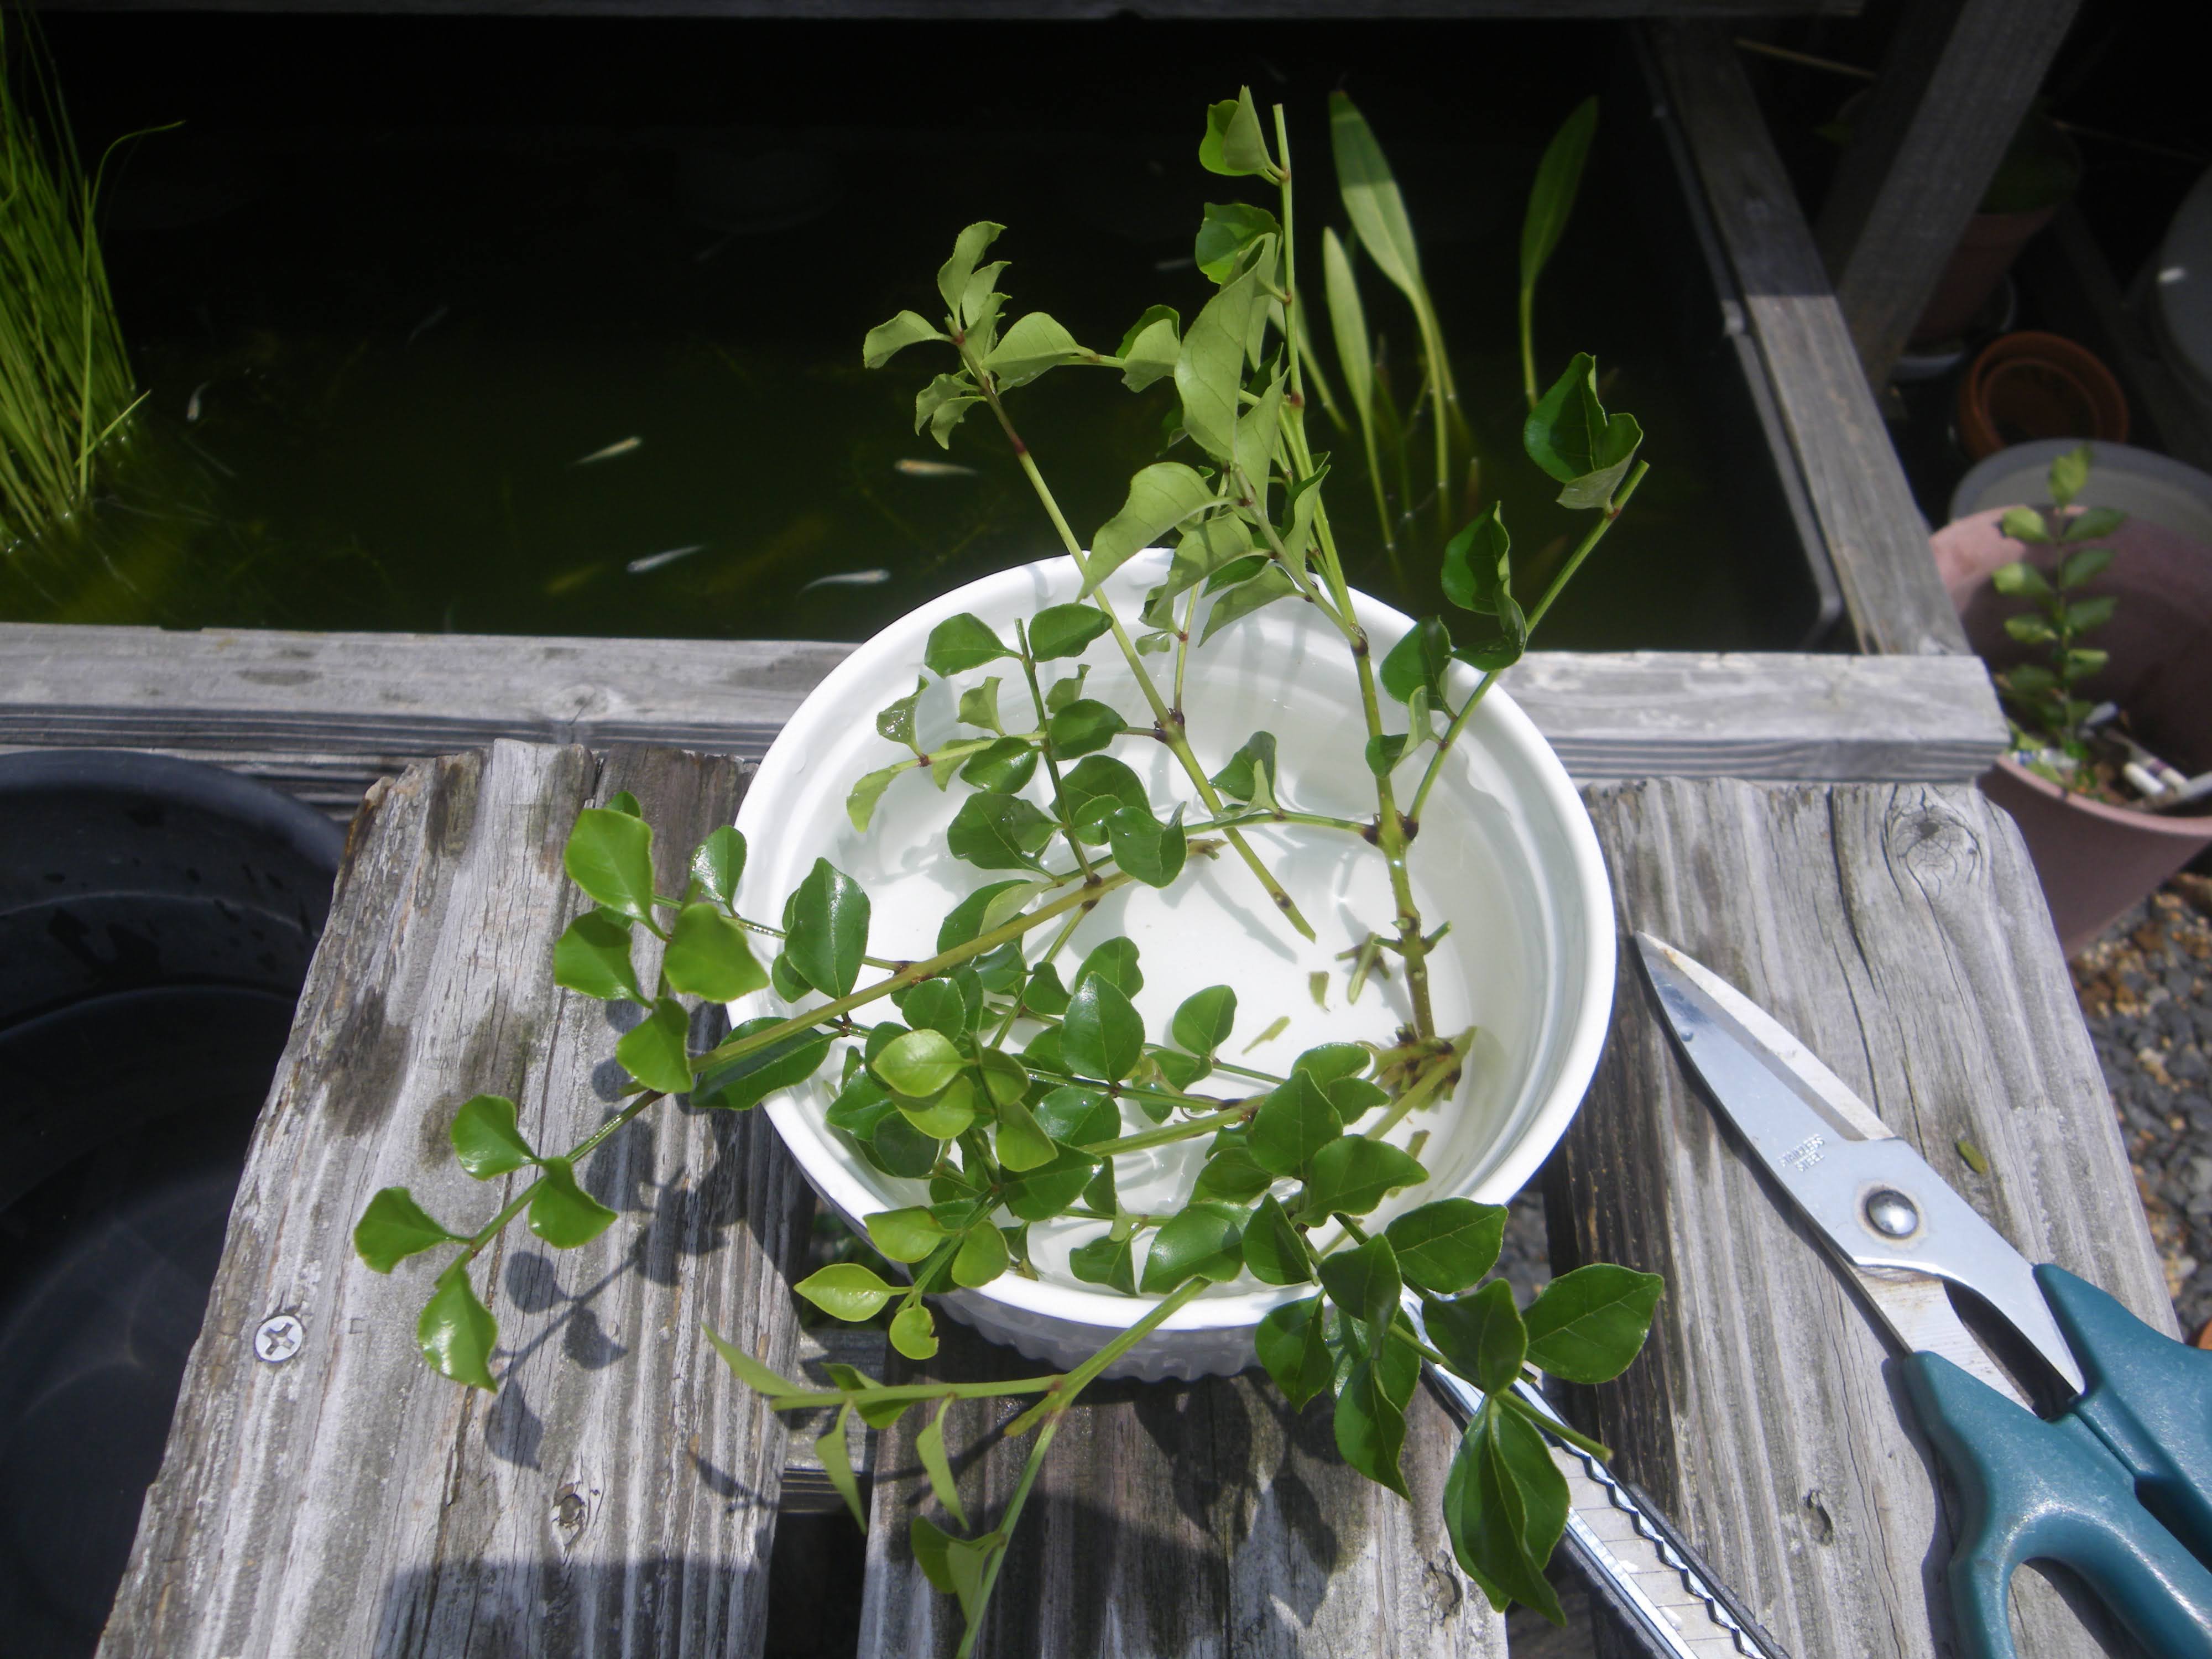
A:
{"x":1876,"y":539}
{"x":1176,"y":1521}
{"x":1958,"y":77}
{"x":321,"y":715}
{"x":1901,"y":932}
{"x":618,"y":1496}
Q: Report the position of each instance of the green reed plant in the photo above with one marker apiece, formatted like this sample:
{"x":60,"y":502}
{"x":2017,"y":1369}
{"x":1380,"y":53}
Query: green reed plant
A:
{"x":1003,"y":1083}
{"x":65,"y":384}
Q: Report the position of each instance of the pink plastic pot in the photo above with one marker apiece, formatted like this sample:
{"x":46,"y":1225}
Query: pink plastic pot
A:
{"x":2096,"y":861}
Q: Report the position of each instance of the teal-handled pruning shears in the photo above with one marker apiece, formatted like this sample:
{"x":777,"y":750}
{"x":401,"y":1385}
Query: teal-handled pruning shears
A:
{"x":2118,"y":1485}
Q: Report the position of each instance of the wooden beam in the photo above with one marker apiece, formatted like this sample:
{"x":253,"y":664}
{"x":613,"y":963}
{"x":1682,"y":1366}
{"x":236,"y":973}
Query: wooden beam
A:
{"x":1876,"y":537}
{"x":618,"y":1496}
{"x":1957,"y":80}
{"x":1899,"y":932}
{"x":322,"y":715}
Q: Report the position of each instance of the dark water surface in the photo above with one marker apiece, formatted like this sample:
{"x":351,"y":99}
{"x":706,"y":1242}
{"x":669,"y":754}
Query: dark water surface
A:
{"x":394,"y":277}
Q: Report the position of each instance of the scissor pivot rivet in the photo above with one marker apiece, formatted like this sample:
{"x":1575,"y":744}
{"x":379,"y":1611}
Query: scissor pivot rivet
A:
{"x":1891,"y":1214}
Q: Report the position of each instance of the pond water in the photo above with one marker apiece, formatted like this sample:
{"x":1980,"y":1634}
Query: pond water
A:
{"x":389,"y":319}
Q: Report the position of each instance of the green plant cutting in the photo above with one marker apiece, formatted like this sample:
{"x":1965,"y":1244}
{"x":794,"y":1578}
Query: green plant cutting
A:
{"x":65,"y":385}
{"x":2043,"y":701}
{"x":1011,"y":1079}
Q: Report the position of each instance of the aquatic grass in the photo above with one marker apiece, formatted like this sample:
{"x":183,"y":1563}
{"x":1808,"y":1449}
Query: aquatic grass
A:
{"x":65,"y":383}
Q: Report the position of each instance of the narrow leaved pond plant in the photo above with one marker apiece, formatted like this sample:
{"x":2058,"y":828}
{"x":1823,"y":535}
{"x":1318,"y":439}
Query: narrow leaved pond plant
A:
{"x":1011,"y":1081}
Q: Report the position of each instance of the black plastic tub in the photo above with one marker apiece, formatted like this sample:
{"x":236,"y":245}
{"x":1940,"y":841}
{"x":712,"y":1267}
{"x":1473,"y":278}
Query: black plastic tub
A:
{"x":156,"y":920}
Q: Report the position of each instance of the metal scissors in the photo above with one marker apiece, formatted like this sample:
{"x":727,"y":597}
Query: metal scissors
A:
{"x":2118,"y":1484}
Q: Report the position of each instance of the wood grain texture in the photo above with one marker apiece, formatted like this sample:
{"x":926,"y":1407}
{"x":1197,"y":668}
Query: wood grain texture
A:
{"x":1956,"y":80}
{"x":1876,"y":539}
{"x":1901,"y":932}
{"x":1176,"y":1521}
{"x":618,"y":1496}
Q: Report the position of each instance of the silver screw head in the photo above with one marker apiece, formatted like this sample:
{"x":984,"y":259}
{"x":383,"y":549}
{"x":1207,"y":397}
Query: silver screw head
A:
{"x":279,"y":1338}
{"x":1891,"y":1214}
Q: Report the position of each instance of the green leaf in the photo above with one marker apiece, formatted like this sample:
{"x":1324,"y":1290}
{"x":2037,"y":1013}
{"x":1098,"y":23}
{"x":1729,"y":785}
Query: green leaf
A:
{"x":979,"y":705}
{"x":1003,"y":767}
{"x":749,"y":1370}
{"x":2023,"y":524}
{"x":1039,"y":1195}
{"x":1209,"y":373}
{"x":1347,"y":320}
{"x":610,"y":856}
{"x":1161,"y":496}
{"x":1272,"y":583}
{"x":965,"y":919}
{"x":1370,"y":1426}
{"x":1482,"y":1336}
{"x":1115,"y":961}
{"x":914,"y":1332}
{"x":928,"y":1541}
{"x":860,"y":805}
{"x":1078,"y":1117}
{"x":2029,"y":679}
{"x":2085,"y":660}
{"x":919,"y":1064}
{"x":1382,"y":753}
{"x":900,"y":1149}
{"x":1505,"y":1505}
{"x":1205,"y":1020}
{"x":895,"y":720}
{"x":785,"y":977}
{"x":1101,"y":1036}
{"x":718,"y":863}
{"x":1551,"y":197}
{"x":1062,"y":692}
{"x":2020,"y":580}
{"x":828,"y":929}
{"x":1020,"y":1143}
{"x":1035,"y":344}
{"x":1204,"y":1240}
{"x":1272,"y":1247}
{"x":929,"y":1446}
{"x":1083,"y":726}
{"x":1292,"y":1124}
{"x":1148,"y":351}
{"x":1204,"y":550}
{"x":1106,"y":1260}
{"x":1238,"y":780}
{"x":1477,"y":576}
{"x":1151,"y":851}
{"x":1256,"y":447}
{"x":486,"y":1141}
{"x":1418,"y":661}
{"x":979,"y":304}
{"x":736,"y":1084}
{"x":960,"y":643}
{"x":1329,"y":1062}
{"x":968,"y":248}
{"x":994,"y":831}
{"x":835,"y":1453}
{"x":981,"y":1259}
{"x":2084,"y":566}
{"x":1371,"y":199}
{"x":1065,"y":630}
{"x":656,"y":1051}
{"x":1096,"y":788}
{"x":943,"y":404}
{"x":2029,"y":630}
{"x":1365,"y":1282}
{"x":457,"y":1332}
{"x":1229,"y":230}
{"x":1292,"y":1345}
{"x":1351,"y":1175}
{"x":2069,"y":475}
{"x":1571,"y":437}
{"x":562,"y":1213}
{"x":846,"y":1291}
{"x":886,"y":340}
{"x":592,"y":955}
{"x":710,"y":956}
{"x":2093,"y":522}
{"x":936,"y":1005}
{"x":1234,"y":143}
{"x":1589,"y":1323}
{"x":1005,"y":1080}
{"x":1447,"y":1245}
{"x":966,"y":1562}
{"x":393,"y":1227}
{"x":909,"y":1235}
{"x":1231,"y":1174}
{"x":2082,"y":615}
{"x":623,"y":801}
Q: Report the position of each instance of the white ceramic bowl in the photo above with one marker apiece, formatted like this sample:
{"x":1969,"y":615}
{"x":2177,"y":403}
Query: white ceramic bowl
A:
{"x":1505,"y":850}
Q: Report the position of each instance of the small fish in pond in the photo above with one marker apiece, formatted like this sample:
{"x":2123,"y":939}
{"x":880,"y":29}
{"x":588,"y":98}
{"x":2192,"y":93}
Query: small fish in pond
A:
{"x":654,"y":561}
{"x":1184,"y":262}
{"x":570,"y":581}
{"x":849,"y":579}
{"x":192,"y":403}
{"x":429,"y":322}
{"x":620,"y":447}
{"x":909,"y":469}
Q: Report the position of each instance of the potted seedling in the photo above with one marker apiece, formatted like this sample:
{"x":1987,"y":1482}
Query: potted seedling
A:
{"x":1168,"y":954}
{"x":2098,"y":628}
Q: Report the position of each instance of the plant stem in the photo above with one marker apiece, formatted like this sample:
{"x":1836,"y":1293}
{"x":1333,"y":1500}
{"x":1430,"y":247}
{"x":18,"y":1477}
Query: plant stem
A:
{"x":584,"y":1148}
{"x":885,"y":1392}
{"x":1170,"y":1132}
{"x":1439,"y":1072}
{"x":1547,"y":1423}
{"x":1044,"y":747}
{"x":1529,"y":345}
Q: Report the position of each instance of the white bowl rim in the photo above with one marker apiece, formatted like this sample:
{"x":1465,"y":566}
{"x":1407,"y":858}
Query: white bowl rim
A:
{"x":1500,"y":723}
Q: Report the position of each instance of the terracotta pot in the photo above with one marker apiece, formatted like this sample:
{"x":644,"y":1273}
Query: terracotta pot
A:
{"x":1992,"y":241}
{"x":2096,"y":861}
{"x":2030,"y":385}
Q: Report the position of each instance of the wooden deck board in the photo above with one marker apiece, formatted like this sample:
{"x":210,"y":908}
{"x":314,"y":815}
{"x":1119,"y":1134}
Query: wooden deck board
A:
{"x":1901,"y":932}
{"x":618,"y":1496}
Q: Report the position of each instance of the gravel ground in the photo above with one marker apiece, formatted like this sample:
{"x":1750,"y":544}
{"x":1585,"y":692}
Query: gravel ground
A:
{"x":2146,"y":990}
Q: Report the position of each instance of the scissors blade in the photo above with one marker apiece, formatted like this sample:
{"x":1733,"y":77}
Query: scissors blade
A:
{"x":1873,"y":1199}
